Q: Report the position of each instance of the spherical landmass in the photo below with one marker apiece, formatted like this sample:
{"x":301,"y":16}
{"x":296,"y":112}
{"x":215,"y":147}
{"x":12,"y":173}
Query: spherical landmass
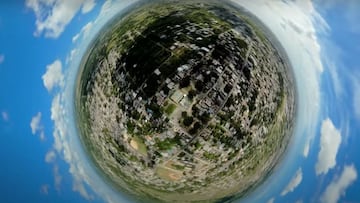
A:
{"x":185,"y":101}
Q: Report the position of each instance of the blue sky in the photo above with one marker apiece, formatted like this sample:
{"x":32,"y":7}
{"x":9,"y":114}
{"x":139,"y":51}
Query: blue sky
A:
{"x":41,"y":45}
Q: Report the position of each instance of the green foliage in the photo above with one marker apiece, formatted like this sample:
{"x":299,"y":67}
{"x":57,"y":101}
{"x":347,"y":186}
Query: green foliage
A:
{"x":170,"y":109}
{"x":133,"y":158}
{"x":130,"y":127}
{"x":188,"y":121}
{"x":210,"y":156}
{"x":205,"y":117}
{"x":192,"y":94}
{"x":106,"y":131}
{"x":166,"y":144}
{"x":178,"y":167}
{"x":156,"y":110}
{"x":197,"y":145}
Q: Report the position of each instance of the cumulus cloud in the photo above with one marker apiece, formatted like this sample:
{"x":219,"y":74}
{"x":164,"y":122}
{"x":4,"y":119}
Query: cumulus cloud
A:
{"x":338,"y":185}
{"x":52,"y":16}
{"x":297,"y":24}
{"x":62,"y":146}
{"x":53,"y":76}
{"x":56,"y":113}
{"x":66,"y":146}
{"x":329,"y":145}
{"x":294,"y":182}
{"x":50,"y":156}
{"x":35,"y":123}
{"x":36,"y":126}
{"x":306,"y":61}
{"x":2,"y":58}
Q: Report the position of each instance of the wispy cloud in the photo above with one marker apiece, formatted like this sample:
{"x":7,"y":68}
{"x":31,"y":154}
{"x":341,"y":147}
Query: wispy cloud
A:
{"x":271,"y":200}
{"x":296,"y":24}
{"x":294,"y":182}
{"x":5,"y":116}
{"x":66,"y":144}
{"x":35,"y":123}
{"x":57,"y":177}
{"x":88,"y":5}
{"x":348,"y":10}
{"x":53,"y":76}
{"x":50,"y":156}
{"x":36,"y":126}
{"x":356,"y":94}
{"x":73,"y":53}
{"x":62,"y":146}
{"x":338,"y":185}
{"x":332,"y":57}
{"x":107,"y":9}
{"x":2,"y":58}
{"x":84,"y":32}
{"x":53,"y":16}
{"x":329,"y":145}
{"x":44,"y":189}
{"x":306,"y":148}
{"x":298,"y":38}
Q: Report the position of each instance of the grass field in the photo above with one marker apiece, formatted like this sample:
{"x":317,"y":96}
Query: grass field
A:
{"x":168,"y":174}
{"x":170,"y":109}
{"x":139,"y":145}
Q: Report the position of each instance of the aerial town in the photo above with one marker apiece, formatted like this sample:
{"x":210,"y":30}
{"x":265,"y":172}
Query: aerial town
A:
{"x":185,"y":99}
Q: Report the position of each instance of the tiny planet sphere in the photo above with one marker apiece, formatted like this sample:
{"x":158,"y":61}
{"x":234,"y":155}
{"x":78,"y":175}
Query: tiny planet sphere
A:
{"x":185,"y":101}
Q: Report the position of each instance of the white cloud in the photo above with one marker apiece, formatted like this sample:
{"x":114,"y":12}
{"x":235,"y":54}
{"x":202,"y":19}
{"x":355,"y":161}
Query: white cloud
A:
{"x":306,"y":148}
{"x":356,"y":95}
{"x":52,"y":16}
{"x":62,"y":146}
{"x":64,"y":130}
{"x":57,"y":177}
{"x":42,"y":135}
{"x":84,"y":32}
{"x":296,"y":24}
{"x":350,"y":12}
{"x":332,"y":57}
{"x":35,"y":123}
{"x":302,"y":47}
{"x":329,"y":145}
{"x":88,"y":6}
{"x":106,"y":8}
{"x":2,"y":58}
{"x":50,"y":156}
{"x":5,"y":116}
{"x":352,"y":15}
{"x":294,"y":182}
{"x":71,"y":56}
{"x":53,"y":76}
{"x":37,"y":127}
{"x":338,"y":185}
{"x":271,"y":200}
